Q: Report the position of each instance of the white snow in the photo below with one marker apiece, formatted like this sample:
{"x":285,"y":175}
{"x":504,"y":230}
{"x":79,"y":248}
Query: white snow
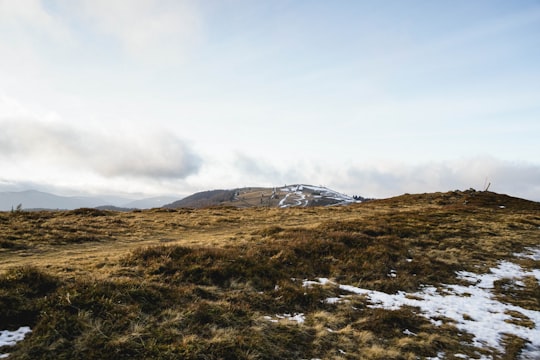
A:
{"x":269,"y":318}
{"x":440,"y":355}
{"x":10,"y":338}
{"x":531,"y":353}
{"x":408,"y":332}
{"x":320,"y":281}
{"x":530,"y":253}
{"x":298,"y":317}
{"x":333,"y":300}
{"x":472,"y":308}
{"x":296,"y":195}
{"x":324,"y":281}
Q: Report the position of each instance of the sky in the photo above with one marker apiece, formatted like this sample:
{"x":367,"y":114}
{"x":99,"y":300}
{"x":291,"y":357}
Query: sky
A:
{"x":371,"y":98}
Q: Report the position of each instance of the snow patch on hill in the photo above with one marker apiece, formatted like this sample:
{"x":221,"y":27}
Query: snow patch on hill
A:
{"x":306,"y":195}
{"x":473,"y":308}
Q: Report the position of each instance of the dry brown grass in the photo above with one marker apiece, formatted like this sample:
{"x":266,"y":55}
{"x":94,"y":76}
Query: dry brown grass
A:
{"x":198,"y":284}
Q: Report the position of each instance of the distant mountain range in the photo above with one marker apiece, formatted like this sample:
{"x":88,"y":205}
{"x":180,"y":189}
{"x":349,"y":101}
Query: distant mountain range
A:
{"x":298,"y":195}
{"x":32,"y":199}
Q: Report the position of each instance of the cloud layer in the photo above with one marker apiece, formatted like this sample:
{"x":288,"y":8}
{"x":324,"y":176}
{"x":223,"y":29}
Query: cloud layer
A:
{"x":385,"y":177}
{"x":389,"y":179}
{"x":269,"y":94}
{"x":154,"y":155}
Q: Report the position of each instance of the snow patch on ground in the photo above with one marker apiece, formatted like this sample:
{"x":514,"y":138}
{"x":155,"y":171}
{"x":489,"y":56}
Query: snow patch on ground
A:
{"x":297,"y":317}
{"x":530,"y":253}
{"x":10,"y":338}
{"x":472,"y":308}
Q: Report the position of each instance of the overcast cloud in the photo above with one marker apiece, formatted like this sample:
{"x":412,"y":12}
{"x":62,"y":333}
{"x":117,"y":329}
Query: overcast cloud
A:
{"x":372,"y":98}
{"x":391,"y":179}
{"x":157,"y":155}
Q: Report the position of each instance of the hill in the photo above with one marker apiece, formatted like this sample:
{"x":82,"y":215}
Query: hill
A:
{"x":421,"y":276}
{"x":32,"y":199}
{"x":149,"y":203}
{"x":204,"y":199}
{"x":283,"y":197}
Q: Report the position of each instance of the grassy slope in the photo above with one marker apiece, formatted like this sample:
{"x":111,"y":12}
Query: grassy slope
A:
{"x":197,"y":284}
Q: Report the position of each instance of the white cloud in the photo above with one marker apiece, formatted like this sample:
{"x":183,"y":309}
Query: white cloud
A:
{"x":258,"y":170}
{"x":299,"y":102}
{"x":378,"y":179}
{"x":389,"y":178}
{"x":29,"y":34}
{"x":68,"y":149}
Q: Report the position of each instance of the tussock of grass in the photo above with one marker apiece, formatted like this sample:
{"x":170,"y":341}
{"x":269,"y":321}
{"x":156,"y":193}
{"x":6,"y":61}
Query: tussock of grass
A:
{"x":118,"y":292}
{"x":22,"y":291}
{"x":527,"y":295}
{"x":513,"y":346}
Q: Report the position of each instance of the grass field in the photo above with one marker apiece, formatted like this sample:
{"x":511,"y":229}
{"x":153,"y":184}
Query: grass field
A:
{"x":268,"y":283}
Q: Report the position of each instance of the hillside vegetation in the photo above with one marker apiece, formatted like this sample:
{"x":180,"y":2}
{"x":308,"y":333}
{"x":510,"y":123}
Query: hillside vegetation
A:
{"x":268,"y":283}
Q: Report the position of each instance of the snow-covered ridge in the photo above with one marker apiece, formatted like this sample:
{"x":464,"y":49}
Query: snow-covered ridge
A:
{"x":306,"y":195}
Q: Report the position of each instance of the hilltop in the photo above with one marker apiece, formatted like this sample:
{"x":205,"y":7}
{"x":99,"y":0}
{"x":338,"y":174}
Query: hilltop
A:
{"x":287,"y":196}
{"x":420,"y":276}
